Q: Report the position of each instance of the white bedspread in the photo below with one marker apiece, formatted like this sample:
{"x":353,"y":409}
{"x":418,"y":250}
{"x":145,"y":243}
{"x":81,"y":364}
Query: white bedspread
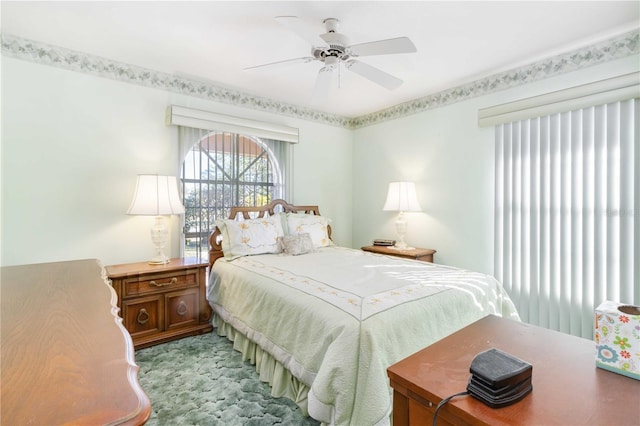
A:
{"x":338,"y":317}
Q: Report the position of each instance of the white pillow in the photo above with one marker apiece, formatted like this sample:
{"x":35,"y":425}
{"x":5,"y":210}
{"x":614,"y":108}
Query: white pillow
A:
{"x":297,"y":244}
{"x":250,"y":236}
{"x":316,"y":226}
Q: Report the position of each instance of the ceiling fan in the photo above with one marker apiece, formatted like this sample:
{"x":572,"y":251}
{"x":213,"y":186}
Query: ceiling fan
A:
{"x":333,"y":49}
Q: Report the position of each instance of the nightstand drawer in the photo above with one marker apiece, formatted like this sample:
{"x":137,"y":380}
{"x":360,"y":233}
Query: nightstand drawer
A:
{"x":152,"y":283}
{"x":181,"y":309}
{"x":143,"y":316}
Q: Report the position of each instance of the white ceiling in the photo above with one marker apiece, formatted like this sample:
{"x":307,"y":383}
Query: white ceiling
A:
{"x":457,"y":42}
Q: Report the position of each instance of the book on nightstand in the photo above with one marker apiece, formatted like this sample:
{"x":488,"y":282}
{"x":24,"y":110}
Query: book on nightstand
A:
{"x":383,"y":242}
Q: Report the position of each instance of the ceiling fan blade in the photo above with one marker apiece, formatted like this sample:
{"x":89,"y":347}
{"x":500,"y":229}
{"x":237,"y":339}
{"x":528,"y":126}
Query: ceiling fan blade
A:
{"x":302,"y":30}
{"x":384,"y":47}
{"x":282,"y":64}
{"x":374,"y":74}
{"x":323,"y":83}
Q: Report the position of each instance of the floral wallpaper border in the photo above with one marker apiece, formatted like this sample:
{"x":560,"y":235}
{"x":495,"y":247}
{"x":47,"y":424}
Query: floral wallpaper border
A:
{"x":615,"y":48}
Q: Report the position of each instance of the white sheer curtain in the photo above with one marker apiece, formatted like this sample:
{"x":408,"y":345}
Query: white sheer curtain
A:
{"x":567,"y":224}
{"x":282,"y":152}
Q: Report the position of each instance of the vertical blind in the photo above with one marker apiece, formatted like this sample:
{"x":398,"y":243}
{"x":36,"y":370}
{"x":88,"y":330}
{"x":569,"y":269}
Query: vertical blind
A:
{"x":567,"y":213}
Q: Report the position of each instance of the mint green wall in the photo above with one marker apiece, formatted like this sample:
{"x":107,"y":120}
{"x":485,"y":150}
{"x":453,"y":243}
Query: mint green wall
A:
{"x":72,"y":145}
{"x":451,"y":161}
{"x":453,"y":176}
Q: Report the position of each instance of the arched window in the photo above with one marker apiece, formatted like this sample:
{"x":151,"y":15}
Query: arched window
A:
{"x":222,"y":170}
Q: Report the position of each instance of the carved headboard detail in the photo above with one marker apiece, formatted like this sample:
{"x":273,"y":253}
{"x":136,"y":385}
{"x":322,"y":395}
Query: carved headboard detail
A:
{"x":252,"y":212}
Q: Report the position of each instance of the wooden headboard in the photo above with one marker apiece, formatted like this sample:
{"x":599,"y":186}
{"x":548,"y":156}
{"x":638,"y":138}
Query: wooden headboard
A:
{"x":275,"y":206}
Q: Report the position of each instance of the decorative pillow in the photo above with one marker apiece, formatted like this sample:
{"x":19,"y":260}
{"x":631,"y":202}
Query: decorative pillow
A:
{"x":314,"y":225}
{"x":297,"y":244}
{"x":250,"y":236}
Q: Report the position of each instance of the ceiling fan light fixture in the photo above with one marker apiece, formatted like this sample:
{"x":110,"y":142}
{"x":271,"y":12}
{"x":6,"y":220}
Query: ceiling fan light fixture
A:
{"x":332,"y":48}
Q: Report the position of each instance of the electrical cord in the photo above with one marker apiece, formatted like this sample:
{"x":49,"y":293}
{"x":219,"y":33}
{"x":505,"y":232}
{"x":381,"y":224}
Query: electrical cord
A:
{"x":443,"y":402}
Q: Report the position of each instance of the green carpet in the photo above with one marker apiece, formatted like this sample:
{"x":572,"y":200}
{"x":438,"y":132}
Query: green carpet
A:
{"x":201,"y":380}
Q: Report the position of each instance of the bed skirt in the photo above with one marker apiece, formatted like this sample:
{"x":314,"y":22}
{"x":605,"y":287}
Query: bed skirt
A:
{"x":282,"y":382}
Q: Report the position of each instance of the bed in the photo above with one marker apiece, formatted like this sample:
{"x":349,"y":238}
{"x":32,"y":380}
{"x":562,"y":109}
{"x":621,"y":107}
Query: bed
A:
{"x":322,"y":322}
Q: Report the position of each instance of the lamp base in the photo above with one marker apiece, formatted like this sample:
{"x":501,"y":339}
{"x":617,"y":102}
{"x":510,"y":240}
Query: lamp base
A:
{"x":159,"y":260}
{"x":401,"y":230}
{"x":405,"y":247}
{"x":159,"y":236}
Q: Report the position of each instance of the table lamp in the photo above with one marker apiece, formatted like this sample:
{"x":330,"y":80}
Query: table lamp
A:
{"x":157,"y":196}
{"x":401,"y":198}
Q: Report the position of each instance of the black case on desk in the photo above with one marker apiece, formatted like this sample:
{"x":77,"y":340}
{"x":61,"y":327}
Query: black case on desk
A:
{"x":499,"y":379}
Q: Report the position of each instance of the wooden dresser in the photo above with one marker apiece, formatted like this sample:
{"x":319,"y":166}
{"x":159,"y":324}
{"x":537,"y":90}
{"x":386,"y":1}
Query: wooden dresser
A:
{"x":568,"y":388}
{"x":162,"y":302}
{"x":66,"y":359}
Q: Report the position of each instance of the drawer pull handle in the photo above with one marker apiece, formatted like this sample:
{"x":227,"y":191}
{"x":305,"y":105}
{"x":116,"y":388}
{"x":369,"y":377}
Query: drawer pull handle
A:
{"x":155,"y":284}
{"x":182,"y":308}
{"x":142,"y":317}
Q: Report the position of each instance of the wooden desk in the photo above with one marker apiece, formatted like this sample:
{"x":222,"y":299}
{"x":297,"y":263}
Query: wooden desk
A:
{"x":568,"y":388}
{"x":66,"y":358}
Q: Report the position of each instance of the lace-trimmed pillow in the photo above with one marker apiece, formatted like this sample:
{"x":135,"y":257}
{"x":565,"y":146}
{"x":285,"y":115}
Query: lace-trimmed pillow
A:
{"x":251,"y":236}
{"x":314,"y":225}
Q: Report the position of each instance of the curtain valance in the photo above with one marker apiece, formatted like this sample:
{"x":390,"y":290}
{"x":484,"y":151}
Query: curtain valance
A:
{"x":601,"y":92}
{"x":189,"y":117}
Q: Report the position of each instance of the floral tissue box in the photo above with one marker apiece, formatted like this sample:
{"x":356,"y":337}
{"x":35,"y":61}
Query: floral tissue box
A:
{"x":617,"y":334}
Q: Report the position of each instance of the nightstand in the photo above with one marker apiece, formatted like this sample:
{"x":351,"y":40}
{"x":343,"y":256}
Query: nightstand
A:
{"x":426,"y":255}
{"x":159,"y":303}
